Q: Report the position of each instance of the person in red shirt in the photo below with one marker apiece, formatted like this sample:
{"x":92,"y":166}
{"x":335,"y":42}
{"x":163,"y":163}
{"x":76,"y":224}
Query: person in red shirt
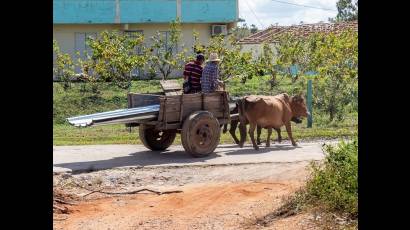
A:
{"x":193,"y":73}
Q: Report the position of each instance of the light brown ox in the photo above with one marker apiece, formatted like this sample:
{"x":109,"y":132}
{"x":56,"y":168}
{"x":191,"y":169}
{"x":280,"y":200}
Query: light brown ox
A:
{"x":270,"y":112}
{"x":234,"y":124}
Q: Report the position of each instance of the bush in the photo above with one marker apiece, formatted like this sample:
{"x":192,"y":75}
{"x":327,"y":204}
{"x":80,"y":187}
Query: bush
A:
{"x":331,"y":189}
{"x":334,"y":182}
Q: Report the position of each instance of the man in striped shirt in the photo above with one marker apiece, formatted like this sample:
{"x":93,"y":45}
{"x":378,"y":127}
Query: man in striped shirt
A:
{"x":193,"y":73}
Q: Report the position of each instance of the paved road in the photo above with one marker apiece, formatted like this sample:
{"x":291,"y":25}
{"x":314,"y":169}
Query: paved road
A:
{"x":97,"y":157}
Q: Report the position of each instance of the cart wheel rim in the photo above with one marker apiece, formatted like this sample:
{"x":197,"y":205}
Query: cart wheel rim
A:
{"x":203,"y":134}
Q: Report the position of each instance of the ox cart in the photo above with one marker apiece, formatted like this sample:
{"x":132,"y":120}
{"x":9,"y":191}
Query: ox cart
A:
{"x":160,"y":116}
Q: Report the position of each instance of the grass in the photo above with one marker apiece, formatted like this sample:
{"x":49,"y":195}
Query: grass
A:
{"x":258,"y":85}
{"x":64,"y":134}
{"x":75,"y":102}
{"x":331,"y":190}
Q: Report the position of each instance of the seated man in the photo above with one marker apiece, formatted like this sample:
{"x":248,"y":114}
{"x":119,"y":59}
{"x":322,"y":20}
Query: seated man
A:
{"x":209,"y":80}
{"x":193,"y":73}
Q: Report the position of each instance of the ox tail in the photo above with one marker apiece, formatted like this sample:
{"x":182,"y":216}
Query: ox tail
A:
{"x":242,"y":120}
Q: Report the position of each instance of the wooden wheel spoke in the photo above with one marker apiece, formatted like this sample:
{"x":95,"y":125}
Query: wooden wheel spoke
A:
{"x":156,"y":139}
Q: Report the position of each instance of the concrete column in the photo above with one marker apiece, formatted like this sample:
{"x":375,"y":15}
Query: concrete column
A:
{"x":179,"y":15}
{"x":117,"y":11}
{"x":237,"y":10}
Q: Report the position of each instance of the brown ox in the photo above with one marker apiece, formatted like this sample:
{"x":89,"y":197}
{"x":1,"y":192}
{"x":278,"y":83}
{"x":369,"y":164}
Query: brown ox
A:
{"x":234,"y":125}
{"x":270,"y":112}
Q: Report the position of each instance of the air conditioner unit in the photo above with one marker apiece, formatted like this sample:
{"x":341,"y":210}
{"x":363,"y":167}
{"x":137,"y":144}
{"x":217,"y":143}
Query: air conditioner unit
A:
{"x":219,"y":29}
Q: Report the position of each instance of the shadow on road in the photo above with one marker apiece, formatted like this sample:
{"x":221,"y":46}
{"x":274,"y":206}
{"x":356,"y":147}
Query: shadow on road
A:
{"x":262,"y":149}
{"x":144,"y":158}
{"x":148,"y":158}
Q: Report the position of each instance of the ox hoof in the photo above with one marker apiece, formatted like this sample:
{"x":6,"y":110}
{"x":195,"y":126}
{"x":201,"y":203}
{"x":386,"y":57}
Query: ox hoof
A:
{"x":294,"y":144}
{"x":256,"y":148}
{"x":267,"y":145}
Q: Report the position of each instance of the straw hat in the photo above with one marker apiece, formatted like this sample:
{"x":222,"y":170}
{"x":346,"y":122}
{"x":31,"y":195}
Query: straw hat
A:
{"x":213,"y":57}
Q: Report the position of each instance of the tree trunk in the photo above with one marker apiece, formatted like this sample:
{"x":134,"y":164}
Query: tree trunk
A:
{"x":332,"y":108}
{"x":272,"y":81}
{"x":295,"y":78}
{"x":169,"y":71}
{"x":331,"y":115}
{"x":163,"y":73}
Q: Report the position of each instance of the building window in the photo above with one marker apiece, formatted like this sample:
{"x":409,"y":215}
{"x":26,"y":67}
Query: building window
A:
{"x":165,"y":35}
{"x":167,"y":44}
{"x":137,"y":72}
{"x":81,"y":46}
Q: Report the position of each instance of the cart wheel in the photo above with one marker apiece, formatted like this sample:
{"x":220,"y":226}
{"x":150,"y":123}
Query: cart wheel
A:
{"x":200,"y":134}
{"x":156,"y":139}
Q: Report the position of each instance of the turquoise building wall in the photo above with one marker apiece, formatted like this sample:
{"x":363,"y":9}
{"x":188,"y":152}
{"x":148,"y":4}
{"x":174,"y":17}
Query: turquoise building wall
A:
{"x":143,"y":11}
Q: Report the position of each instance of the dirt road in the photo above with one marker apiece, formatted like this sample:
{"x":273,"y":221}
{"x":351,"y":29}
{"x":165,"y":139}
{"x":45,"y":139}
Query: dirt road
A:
{"x":230,"y":190}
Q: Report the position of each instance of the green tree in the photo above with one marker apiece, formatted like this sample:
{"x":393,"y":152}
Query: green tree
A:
{"x":240,"y":32}
{"x":243,"y":31}
{"x":92,"y":81}
{"x":267,"y":62}
{"x":235,"y":63}
{"x":335,"y":59}
{"x":253,"y":29}
{"x":198,"y":47}
{"x":347,"y":10}
{"x":64,"y":66}
{"x":292,"y":51}
{"x":113,"y":58}
{"x":166,"y":53}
